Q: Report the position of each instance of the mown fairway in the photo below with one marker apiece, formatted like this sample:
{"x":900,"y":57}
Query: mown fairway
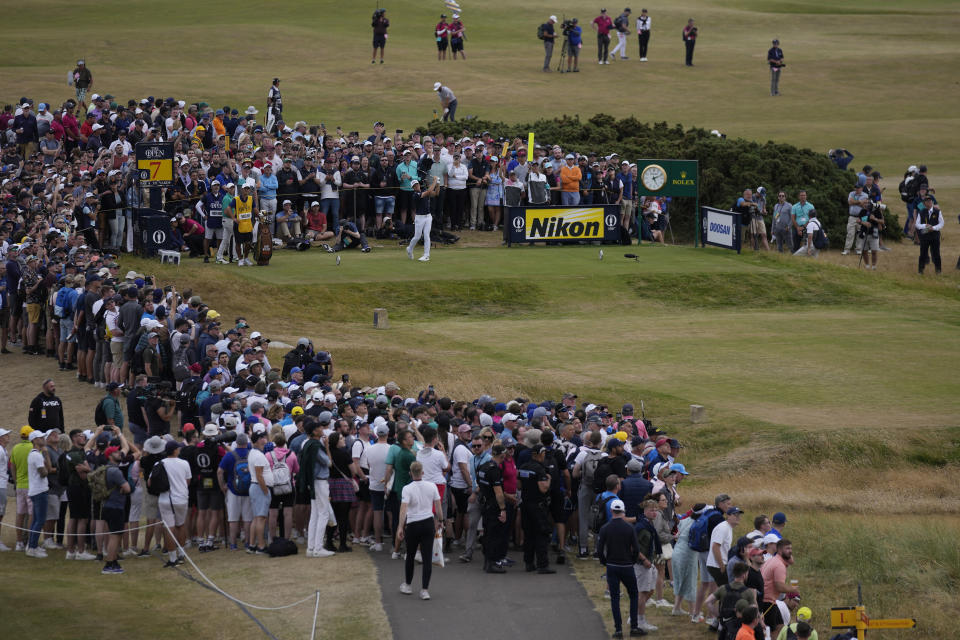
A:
{"x":878,"y":79}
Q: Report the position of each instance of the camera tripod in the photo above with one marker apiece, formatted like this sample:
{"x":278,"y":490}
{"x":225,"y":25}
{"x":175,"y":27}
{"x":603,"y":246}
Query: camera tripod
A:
{"x":563,"y":54}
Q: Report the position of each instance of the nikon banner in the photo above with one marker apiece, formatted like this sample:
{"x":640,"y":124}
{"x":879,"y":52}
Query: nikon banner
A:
{"x":552,"y":224}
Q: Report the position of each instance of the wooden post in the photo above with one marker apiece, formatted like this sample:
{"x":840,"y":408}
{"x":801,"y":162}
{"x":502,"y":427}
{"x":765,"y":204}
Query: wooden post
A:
{"x":380,"y":319}
{"x":697,"y":414}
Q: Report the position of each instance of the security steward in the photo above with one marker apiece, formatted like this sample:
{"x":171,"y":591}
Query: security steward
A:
{"x":929,"y":223}
{"x":535,"y":510}
{"x":493,"y":508}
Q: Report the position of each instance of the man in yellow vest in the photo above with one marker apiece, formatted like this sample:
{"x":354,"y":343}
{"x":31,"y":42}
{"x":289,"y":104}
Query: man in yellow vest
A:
{"x":245,"y":208}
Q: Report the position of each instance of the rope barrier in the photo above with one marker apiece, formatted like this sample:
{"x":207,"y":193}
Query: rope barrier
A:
{"x":239,"y":606}
{"x":214,"y":586}
{"x":137,"y":528}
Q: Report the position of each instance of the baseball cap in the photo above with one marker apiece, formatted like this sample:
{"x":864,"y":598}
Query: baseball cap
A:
{"x":732,"y":511}
{"x":436,"y":86}
{"x":464,"y":428}
{"x":324,"y":417}
{"x":770,"y":538}
{"x":804,"y":614}
{"x":25,"y":431}
{"x":110,"y":450}
{"x":617,"y":505}
{"x":4,"y":432}
{"x":779,"y":518}
{"x":35,"y":434}
{"x":172,"y":445}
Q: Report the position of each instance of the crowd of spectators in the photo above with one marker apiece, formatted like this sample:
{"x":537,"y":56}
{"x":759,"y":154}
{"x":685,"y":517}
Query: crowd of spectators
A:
{"x":70,"y":171}
{"x":259,"y":444}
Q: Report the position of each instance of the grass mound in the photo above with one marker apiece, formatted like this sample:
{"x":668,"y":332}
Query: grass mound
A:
{"x":738,"y":291}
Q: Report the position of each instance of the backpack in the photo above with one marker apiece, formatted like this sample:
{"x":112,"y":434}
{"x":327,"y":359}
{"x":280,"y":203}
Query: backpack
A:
{"x":187,"y":398}
{"x":158,"y":482}
{"x":60,"y":307}
{"x":100,"y":414}
{"x":63,"y":470}
{"x":241,"y":476}
{"x":604,"y":469}
{"x":282,"y":480}
{"x":699,"y":536}
{"x":98,"y":484}
{"x":280,"y":547}
{"x":598,"y":513}
{"x":820,"y":240}
{"x":791,"y":632}
{"x":590,"y":464}
{"x":620,"y":23}
{"x":541,"y":30}
{"x":908,"y":188}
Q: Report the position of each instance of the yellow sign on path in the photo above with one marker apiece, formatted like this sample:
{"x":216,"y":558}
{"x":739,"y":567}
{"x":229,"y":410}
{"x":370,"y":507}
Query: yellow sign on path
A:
{"x":856,"y":618}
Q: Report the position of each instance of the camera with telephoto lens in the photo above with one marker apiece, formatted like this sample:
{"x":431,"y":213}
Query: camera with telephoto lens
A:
{"x":566,"y":27}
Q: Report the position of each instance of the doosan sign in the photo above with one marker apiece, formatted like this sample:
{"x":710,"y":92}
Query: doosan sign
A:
{"x":720,"y":228}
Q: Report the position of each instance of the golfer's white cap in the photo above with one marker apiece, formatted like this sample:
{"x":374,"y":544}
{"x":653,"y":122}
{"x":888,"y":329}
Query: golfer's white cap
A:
{"x":912,"y":168}
{"x":436,"y":86}
{"x":554,"y":18}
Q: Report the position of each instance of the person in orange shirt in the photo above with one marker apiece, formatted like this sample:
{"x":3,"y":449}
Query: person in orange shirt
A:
{"x":749,"y":619}
{"x":570,"y":177}
{"x":218,"y":124}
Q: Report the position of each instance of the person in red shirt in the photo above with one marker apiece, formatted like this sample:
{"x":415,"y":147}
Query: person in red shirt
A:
{"x":456,"y":37}
{"x":317,"y":224}
{"x":602,"y":25}
{"x":442,"y":32}
{"x":509,"y":469}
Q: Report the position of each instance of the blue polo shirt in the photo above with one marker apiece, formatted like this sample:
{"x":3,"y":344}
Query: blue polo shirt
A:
{"x":629,"y":186}
{"x":801,"y":213}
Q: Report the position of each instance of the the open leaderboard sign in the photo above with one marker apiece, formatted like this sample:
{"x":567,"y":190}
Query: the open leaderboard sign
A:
{"x":720,"y":228}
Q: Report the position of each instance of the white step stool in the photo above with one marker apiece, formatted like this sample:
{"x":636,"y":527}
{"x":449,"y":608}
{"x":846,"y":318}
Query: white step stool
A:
{"x":172,"y":257}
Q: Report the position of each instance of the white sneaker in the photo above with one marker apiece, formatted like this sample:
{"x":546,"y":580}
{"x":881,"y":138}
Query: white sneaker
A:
{"x":643,"y":59}
{"x":424,"y":259}
{"x":395,"y":555}
{"x":410,"y":252}
{"x":646,"y":626}
{"x":600,"y":62}
{"x":130,"y":552}
{"x":844,"y":253}
{"x":37,"y":552}
{"x":696,"y":618}
{"x":71,"y":555}
{"x":376,"y":547}
{"x":83,"y":555}
{"x":711,"y":622}
{"x":4,"y":547}
{"x":424,"y":594}
{"x":29,"y":552}
{"x":310,"y":553}
{"x":405,"y":588}
{"x":20,"y":546}
{"x":323,"y":553}
{"x":663,"y":604}
{"x":50,"y":543}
